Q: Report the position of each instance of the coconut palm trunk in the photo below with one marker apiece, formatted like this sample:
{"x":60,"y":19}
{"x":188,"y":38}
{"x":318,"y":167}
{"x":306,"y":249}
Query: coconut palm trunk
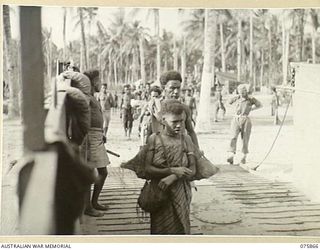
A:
{"x":270,"y":64}
{"x":115,"y":72}
{"x":261,"y":69}
{"x":239,"y":50}
{"x":175,"y":54}
{"x":205,"y":110}
{"x":64,"y":34}
{"x":315,"y":25}
{"x":314,"y":38}
{"x":251,"y":48}
{"x":286,"y":58}
{"x":13,"y":108}
{"x":110,"y":66}
{"x":299,"y":27}
{"x":142,"y":61}
{"x":157,"y":28}
{"x":283,"y":49}
{"x":135,"y":66}
{"x":223,"y":49}
{"x":183,"y":60}
{"x":84,"y":59}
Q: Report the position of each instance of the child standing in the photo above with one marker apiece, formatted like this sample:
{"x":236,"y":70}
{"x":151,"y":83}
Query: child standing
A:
{"x":170,"y":163}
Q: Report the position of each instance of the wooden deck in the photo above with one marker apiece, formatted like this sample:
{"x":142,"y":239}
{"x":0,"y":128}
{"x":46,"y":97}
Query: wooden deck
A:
{"x":234,"y":202}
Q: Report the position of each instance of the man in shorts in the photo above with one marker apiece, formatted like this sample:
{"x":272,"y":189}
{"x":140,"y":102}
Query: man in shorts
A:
{"x":106,"y":101}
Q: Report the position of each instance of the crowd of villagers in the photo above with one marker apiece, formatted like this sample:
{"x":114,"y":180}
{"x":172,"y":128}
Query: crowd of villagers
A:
{"x":170,"y":159}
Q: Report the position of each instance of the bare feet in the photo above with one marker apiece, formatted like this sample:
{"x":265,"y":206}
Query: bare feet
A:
{"x":93,"y":212}
{"x":230,"y":159}
{"x":100,"y":207}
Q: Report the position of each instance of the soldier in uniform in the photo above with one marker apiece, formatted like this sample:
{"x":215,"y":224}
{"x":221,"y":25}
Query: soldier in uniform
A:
{"x":241,"y":123}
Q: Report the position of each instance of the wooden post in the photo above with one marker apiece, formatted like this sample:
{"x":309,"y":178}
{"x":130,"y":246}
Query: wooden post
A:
{"x":32,"y":78}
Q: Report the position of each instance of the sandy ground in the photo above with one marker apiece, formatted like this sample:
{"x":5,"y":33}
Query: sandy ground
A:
{"x":278,"y":165}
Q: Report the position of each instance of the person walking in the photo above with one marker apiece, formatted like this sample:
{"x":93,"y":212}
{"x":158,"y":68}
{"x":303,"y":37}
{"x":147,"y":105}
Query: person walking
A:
{"x":241,"y":123}
{"x":170,"y":163}
{"x":190,"y":101}
{"x":218,"y":104}
{"x":147,"y":114}
{"x":171,"y":85}
{"x":127,"y":110}
{"x":275,"y":105}
{"x":97,"y":154}
{"x":106,"y":102}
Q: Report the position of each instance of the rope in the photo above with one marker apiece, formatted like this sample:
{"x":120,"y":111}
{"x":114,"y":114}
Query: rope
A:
{"x":277,"y":135}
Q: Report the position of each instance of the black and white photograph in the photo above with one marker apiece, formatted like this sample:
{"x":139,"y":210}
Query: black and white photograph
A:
{"x":160,"y":121}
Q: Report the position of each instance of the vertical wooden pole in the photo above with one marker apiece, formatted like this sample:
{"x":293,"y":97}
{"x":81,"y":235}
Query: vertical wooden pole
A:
{"x":32,"y":78}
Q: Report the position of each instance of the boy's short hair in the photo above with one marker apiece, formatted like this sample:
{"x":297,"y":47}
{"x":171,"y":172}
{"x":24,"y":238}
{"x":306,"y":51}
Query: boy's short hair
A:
{"x":91,"y":74}
{"x":155,"y":89}
{"x":171,"y":107}
{"x":243,"y":86}
{"x":127,"y":86}
{"x":170,"y":75}
{"x":68,"y":64}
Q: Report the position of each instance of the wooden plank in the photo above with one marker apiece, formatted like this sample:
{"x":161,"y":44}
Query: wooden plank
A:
{"x":288,"y":229}
{"x":124,"y":227}
{"x":258,"y":191}
{"x":266,"y":197}
{"x":290,"y":201}
{"x":121,"y":216}
{"x":125,"y":222}
{"x":120,"y":211}
{"x":236,"y":185}
{"x":119,"y":193}
{"x":32,"y":78}
{"x":38,"y":205}
{"x":117,"y":198}
{"x":277,"y":211}
{"x":118,"y":201}
{"x":292,"y":221}
{"x":288,"y":215}
{"x":294,"y":205}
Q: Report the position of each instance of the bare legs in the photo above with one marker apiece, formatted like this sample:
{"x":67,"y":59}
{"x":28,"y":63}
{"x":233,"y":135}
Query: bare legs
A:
{"x":103,"y":173}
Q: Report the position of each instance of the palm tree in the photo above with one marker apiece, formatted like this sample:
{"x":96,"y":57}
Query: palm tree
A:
{"x":13,"y":109}
{"x":299,"y":33}
{"x":118,"y":30}
{"x":157,"y":29}
{"x":286,"y":24}
{"x":83,"y":52}
{"x":223,"y":17}
{"x":135,"y":42}
{"x":203,"y":121}
{"x":91,"y":13}
{"x":315,"y":25}
{"x":251,"y":48}
{"x":166,"y":50}
{"x":47,"y":49}
{"x":85,"y":14}
{"x":103,"y":38}
{"x":239,"y":37}
{"x":64,"y":33}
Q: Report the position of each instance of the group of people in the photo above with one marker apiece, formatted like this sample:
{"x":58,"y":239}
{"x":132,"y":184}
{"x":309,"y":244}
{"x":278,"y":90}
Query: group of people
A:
{"x":88,"y":114}
{"x":167,"y":128}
